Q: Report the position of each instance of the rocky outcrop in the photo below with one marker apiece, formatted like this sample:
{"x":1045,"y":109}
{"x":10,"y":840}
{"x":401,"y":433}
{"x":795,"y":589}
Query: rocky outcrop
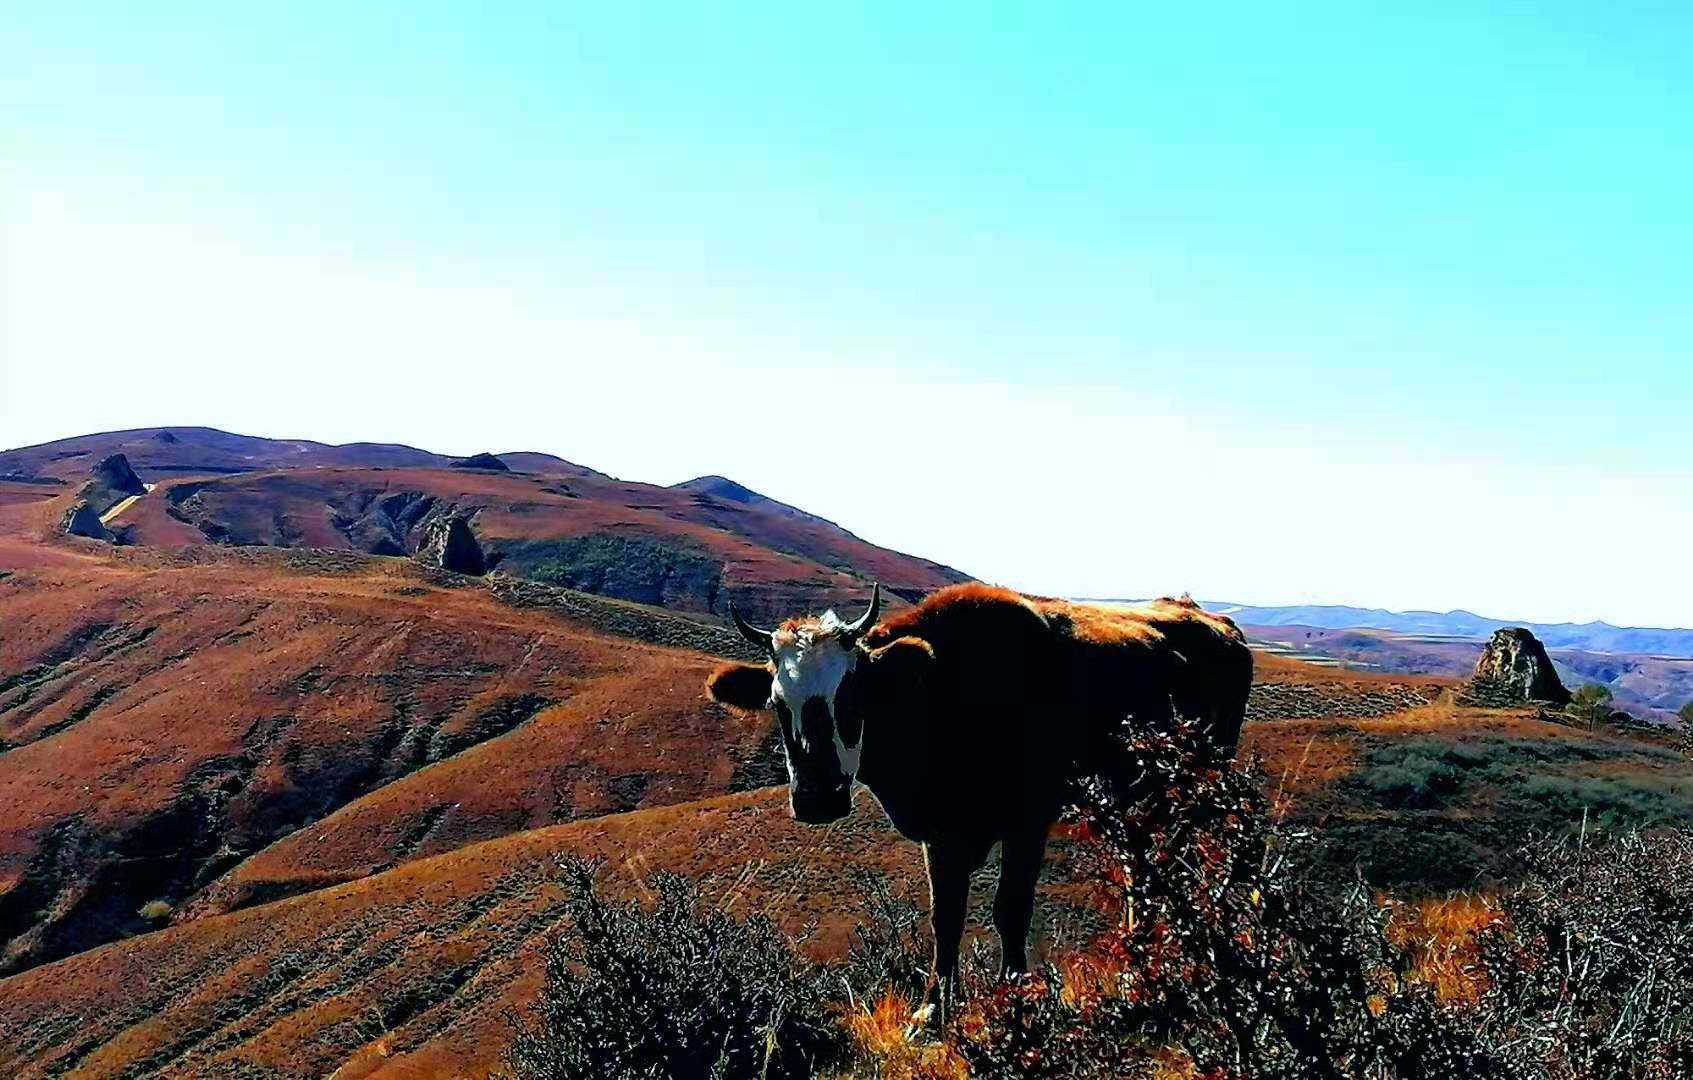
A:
{"x":109,"y":483}
{"x":384,"y":523}
{"x":1514,"y":669}
{"x":115,"y":475}
{"x":481,"y":461}
{"x":83,"y":520}
{"x":449,"y":543}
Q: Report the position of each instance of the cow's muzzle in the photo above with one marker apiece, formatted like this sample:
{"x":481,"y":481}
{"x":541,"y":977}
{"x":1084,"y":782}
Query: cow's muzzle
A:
{"x":817,"y":805}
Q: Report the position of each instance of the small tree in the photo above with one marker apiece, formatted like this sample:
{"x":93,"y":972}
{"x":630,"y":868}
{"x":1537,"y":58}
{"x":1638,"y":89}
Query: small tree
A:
{"x":1686,"y":713}
{"x":1590,"y":705}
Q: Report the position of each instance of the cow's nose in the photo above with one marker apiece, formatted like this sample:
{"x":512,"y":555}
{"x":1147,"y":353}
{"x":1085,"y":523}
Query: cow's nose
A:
{"x":823,"y":804}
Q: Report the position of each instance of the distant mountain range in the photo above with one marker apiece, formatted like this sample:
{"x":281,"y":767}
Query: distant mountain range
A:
{"x":1590,"y":637}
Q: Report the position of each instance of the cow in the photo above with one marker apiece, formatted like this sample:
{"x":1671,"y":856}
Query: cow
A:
{"x":970,"y":715}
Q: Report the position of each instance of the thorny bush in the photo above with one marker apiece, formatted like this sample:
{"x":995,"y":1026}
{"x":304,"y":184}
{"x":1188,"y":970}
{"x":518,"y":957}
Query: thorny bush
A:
{"x":1591,"y":968}
{"x":672,"y":990}
{"x":1223,"y":945}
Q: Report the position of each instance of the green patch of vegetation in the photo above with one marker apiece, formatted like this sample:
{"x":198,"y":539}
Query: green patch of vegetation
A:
{"x":626,"y":565}
{"x":1413,"y":780}
{"x":1422,"y":854}
{"x":1613,"y":801}
{"x":1525,"y":784}
{"x":156,"y":910}
{"x":1590,"y":705}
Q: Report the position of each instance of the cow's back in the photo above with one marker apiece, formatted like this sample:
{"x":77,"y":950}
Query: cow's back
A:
{"x":1149,"y":659}
{"x":1009,"y":659}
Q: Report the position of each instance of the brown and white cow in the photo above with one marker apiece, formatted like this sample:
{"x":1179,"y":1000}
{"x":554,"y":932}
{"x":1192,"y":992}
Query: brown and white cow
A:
{"x":968,"y":716}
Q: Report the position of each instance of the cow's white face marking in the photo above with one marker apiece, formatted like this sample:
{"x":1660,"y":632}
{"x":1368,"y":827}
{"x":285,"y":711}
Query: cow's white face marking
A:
{"x":810,"y":663}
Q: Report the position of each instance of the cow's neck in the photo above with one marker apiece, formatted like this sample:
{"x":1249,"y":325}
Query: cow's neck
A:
{"x":899,"y":771}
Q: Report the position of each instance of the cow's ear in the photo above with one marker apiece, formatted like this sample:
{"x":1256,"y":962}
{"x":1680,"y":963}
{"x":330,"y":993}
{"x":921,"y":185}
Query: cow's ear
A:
{"x":907,"y":659}
{"x":741,"y":686}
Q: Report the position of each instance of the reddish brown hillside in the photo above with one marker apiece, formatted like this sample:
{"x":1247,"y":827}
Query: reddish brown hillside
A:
{"x":669,"y":547}
{"x":165,"y":716}
{"x":549,"y":520}
{"x":407,"y":974}
{"x":17,"y":493}
{"x":160,"y":453}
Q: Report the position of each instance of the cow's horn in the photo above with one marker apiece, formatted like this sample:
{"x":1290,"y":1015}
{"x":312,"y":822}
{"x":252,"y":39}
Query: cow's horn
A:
{"x":764,"y":639}
{"x":868,"y":619}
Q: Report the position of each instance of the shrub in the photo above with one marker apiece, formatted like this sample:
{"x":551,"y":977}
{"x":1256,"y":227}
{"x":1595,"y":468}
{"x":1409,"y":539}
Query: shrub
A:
{"x":1612,"y":802}
{"x":1415,"y":780}
{"x":672,"y":991}
{"x":1535,"y":780}
{"x":155,"y":910}
{"x":1590,"y":705}
{"x":1592,"y":964}
{"x":889,"y":955}
{"x":1224,"y":947}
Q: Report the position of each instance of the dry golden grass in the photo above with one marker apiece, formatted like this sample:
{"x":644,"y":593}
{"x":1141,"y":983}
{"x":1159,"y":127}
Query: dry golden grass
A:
{"x":1439,"y":937}
{"x":893,"y":1048}
{"x":890,"y":1047}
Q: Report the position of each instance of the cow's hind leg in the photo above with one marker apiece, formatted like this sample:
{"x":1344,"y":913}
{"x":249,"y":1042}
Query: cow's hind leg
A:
{"x":1014,"y":902}
{"x":950,"y":865}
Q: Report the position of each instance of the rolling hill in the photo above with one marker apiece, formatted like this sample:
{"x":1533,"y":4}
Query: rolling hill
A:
{"x":283,"y":797}
{"x":540,"y":518}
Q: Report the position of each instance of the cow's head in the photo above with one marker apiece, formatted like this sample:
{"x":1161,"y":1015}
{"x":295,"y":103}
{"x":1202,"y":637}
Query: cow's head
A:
{"x":820,"y":681}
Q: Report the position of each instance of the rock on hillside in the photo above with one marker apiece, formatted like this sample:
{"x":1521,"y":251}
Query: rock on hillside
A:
{"x":449,"y":543}
{"x":114,"y":474}
{"x":83,"y":520}
{"x":111,"y":481}
{"x":481,"y":461}
{"x":1515,"y":669}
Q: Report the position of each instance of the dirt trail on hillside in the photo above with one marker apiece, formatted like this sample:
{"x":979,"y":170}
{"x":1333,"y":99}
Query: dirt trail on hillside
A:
{"x":124,"y":504}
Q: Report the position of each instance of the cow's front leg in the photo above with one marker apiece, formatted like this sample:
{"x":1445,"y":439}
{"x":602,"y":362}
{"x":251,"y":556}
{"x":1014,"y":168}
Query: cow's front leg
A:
{"x":1014,"y":902}
{"x":950,"y":865}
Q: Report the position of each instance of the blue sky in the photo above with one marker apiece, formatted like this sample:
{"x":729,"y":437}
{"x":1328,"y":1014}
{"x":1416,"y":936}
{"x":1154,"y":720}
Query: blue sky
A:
{"x":1273,"y":303}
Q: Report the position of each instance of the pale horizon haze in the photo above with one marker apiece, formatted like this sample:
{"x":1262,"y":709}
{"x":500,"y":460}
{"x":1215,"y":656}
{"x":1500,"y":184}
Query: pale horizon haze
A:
{"x":1351,"y":306}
